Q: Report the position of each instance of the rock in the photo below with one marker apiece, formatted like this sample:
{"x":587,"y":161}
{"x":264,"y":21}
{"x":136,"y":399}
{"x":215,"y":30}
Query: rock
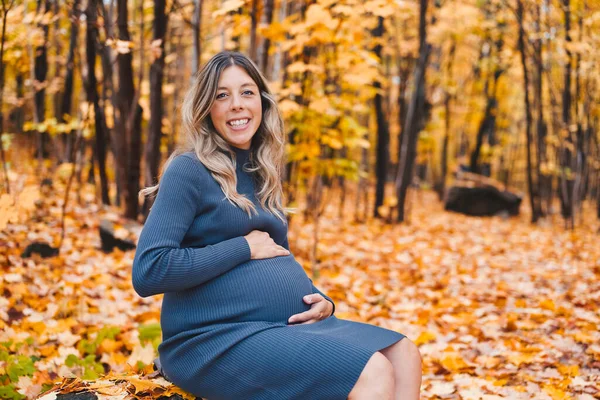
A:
{"x":41,"y":248}
{"x":479,"y":196}
{"x":77,"y":396}
{"x":113,"y":236}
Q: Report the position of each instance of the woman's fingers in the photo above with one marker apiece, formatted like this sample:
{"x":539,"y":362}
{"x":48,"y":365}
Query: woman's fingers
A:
{"x":263,"y":246}
{"x":309,"y":316}
{"x":316,"y":312}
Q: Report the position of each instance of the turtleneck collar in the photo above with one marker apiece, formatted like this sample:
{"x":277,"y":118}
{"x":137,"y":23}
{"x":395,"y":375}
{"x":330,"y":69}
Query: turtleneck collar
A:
{"x":241,"y":155}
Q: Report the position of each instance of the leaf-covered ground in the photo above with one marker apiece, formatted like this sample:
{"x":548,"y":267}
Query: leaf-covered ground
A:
{"x":499,"y":309}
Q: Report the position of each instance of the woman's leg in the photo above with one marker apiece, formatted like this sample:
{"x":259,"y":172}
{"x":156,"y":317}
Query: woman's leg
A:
{"x":406,"y":359}
{"x":376,"y":380}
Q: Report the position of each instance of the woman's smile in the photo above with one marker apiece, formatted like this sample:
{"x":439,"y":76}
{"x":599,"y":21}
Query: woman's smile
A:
{"x":238,"y":124}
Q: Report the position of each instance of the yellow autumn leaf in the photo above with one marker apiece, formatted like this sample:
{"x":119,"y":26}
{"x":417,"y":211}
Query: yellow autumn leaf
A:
{"x":454,"y":362}
{"x":425,"y":337}
{"x":555,"y":393}
{"x":568,"y":370}
{"x":142,"y":385}
{"x":547,"y":304}
{"x":174,"y":390}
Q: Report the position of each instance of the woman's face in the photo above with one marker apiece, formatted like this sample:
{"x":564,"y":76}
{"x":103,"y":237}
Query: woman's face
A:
{"x":237,"y":110}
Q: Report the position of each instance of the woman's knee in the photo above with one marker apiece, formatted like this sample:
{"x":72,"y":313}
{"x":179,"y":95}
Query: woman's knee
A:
{"x":404,"y":353}
{"x":376,"y":380}
{"x":410,"y":352}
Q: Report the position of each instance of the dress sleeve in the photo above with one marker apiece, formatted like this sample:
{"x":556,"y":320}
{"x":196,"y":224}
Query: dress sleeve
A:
{"x":286,"y":244}
{"x":160,"y":265}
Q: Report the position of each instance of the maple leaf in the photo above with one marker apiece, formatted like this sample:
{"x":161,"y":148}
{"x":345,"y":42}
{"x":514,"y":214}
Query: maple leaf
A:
{"x":142,"y":385}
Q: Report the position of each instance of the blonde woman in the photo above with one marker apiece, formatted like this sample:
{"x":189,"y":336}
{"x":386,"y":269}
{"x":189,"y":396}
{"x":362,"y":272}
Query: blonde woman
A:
{"x":240,"y":318}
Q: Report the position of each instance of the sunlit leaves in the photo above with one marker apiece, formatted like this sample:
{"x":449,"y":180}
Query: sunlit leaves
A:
{"x":488,"y":323}
{"x":17,"y":208}
{"x":228,"y":6}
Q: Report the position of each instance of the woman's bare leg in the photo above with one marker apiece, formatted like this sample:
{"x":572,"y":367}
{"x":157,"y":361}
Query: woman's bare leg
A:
{"x":376,"y":380}
{"x":406,"y":359}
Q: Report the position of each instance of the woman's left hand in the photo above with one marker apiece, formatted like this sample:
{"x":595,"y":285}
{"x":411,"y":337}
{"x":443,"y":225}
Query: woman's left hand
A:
{"x":320,"y":309}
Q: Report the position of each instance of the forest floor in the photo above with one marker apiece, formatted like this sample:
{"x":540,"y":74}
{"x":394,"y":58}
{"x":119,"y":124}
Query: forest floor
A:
{"x":498,"y":307}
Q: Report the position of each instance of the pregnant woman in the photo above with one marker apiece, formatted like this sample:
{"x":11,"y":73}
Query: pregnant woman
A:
{"x":240,"y":318}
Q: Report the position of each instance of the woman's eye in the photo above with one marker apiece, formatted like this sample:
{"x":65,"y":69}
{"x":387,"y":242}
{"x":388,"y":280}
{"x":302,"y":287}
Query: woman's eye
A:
{"x":220,"y":95}
{"x":248,"y":92}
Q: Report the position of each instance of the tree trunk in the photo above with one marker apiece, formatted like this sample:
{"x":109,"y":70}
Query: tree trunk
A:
{"x":129,"y":137}
{"x":92,"y":96}
{"x":178,"y":81}
{"x":544,"y":179}
{"x":263,"y":50}
{"x":582,"y":142}
{"x":415,"y":117}
{"x":533,"y":195}
{"x":488,"y":123}
{"x":58,"y":66}
{"x":40,"y":72}
{"x":383,"y":133}
{"x":441,"y":185}
{"x":566,"y":185}
{"x":109,"y":96}
{"x":197,"y":37}
{"x":152,"y":153}
{"x":5,"y":9}
{"x":253,"y":24}
{"x":67,"y":95}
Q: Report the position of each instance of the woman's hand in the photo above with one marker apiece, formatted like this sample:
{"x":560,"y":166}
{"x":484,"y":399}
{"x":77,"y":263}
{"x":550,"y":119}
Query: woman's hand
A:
{"x":320,"y":309}
{"x":263,"y":246}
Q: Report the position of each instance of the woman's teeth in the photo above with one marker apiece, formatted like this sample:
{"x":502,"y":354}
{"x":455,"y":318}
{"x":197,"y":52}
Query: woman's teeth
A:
{"x":239,"y":122}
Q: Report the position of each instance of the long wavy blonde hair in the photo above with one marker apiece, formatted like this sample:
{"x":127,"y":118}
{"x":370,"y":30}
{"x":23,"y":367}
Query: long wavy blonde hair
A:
{"x":267,"y":151}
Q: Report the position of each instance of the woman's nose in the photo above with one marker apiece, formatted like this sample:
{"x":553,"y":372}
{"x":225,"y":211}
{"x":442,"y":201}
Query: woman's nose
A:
{"x":236,"y":102}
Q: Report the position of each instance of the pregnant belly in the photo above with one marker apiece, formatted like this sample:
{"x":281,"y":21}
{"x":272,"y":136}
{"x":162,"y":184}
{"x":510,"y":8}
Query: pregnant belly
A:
{"x":268,"y":289}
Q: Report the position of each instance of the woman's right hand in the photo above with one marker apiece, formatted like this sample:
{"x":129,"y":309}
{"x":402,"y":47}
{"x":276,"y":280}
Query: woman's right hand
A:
{"x":263,"y":246}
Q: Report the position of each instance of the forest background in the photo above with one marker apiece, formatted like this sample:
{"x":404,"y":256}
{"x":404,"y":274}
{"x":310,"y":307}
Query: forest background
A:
{"x":387,"y":105}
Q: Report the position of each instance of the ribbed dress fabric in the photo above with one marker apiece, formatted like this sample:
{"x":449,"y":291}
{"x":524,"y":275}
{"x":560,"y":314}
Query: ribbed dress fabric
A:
{"x":224,"y":315}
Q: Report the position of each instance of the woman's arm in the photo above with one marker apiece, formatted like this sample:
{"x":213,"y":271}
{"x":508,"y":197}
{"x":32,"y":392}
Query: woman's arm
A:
{"x":160,"y":265}
{"x":286,"y":244}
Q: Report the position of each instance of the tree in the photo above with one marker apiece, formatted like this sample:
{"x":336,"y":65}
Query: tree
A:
{"x":40,"y":72}
{"x":263,"y":50}
{"x":152,"y":152}
{"x":566,"y":180}
{"x":92,"y":95}
{"x":67,"y":95}
{"x":533,"y":193}
{"x":6,"y":6}
{"x":196,"y":36}
{"x":415,"y":116}
{"x":492,"y":49}
{"x":383,"y":132}
{"x":129,"y":121}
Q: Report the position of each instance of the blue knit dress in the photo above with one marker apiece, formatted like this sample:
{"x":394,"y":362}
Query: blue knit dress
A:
{"x":224,"y":316}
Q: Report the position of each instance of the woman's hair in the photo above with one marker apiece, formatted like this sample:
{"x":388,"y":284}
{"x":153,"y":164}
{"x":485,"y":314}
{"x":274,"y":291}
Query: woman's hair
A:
{"x":267,"y":150}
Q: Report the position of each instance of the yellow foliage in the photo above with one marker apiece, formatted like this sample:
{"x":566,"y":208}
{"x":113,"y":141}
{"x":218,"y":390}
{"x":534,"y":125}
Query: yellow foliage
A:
{"x":316,"y":14}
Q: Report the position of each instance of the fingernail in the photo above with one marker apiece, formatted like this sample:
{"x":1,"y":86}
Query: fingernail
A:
{"x":306,"y":298}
